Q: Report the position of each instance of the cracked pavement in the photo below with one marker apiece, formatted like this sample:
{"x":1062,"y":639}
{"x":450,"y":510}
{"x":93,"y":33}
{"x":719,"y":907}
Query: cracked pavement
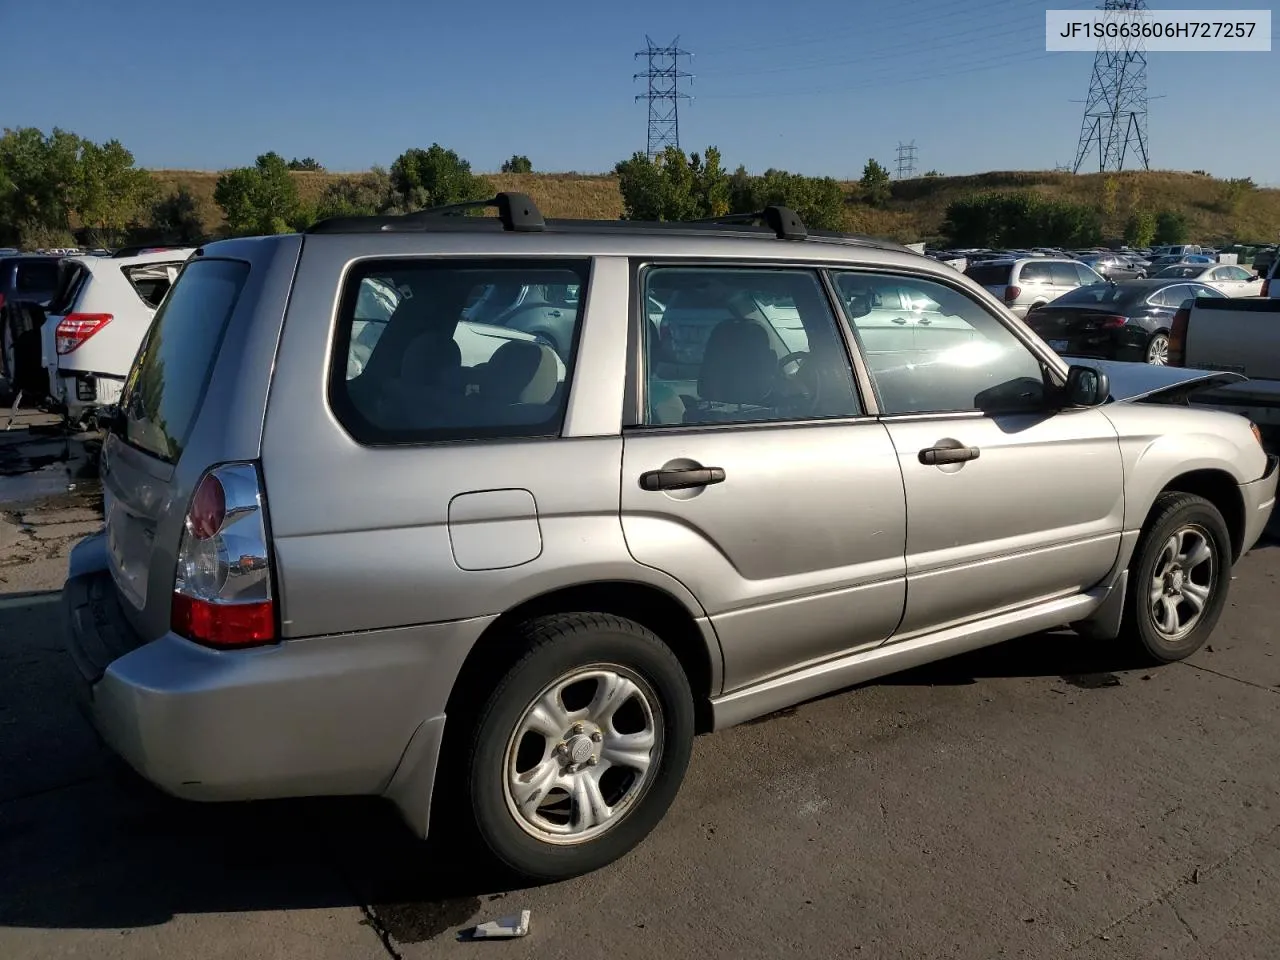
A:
{"x":1039,"y":799}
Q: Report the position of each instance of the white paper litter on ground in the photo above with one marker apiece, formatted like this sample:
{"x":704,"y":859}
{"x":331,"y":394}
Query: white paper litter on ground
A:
{"x":512,"y":926}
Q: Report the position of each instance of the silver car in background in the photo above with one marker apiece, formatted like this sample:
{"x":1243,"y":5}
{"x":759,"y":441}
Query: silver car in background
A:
{"x":504,"y":589}
{"x":1027,"y":284}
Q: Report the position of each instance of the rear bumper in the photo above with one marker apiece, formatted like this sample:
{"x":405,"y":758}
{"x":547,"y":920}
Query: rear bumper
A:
{"x":353,"y":714}
{"x":1259,"y":500}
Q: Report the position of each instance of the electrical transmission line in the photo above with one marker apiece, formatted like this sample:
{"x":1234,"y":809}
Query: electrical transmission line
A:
{"x":1115,"y":112}
{"x":664,"y":94}
{"x":906,"y":160}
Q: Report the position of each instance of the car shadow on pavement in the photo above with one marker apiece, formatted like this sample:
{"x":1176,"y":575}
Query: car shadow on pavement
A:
{"x":86,"y":843}
{"x":1061,"y":654}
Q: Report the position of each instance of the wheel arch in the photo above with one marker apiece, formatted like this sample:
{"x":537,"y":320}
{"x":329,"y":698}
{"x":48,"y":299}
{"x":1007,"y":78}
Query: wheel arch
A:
{"x":1220,"y":489}
{"x":689,"y":636}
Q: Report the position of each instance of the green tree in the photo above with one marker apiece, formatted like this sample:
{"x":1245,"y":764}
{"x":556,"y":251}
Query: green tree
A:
{"x":517,"y":164}
{"x":1020,"y":219}
{"x":362,"y":195}
{"x":262,"y":199}
{"x":673,"y":186}
{"x":434,"y":177}
{"x":875,"y":183}
{"x":306,"y":163}
{"x":37,"y":176}
{"x":1140,"y":229}
{"x":932,"y":173}
{"x":176,"y":217}
{"x":818,"y":201}
{"x":109,"y":193}
{"x":1171,"y":227}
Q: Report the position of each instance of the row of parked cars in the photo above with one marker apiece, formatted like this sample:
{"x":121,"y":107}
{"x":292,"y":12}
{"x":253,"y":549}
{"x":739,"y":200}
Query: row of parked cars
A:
{"x":70,"y":327}
{"x":490,"y":516}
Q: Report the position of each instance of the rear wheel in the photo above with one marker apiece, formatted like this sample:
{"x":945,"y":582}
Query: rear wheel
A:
{"x":1178,"y":579}
{"x":581,"y":746}
{"x":1158,"y":350}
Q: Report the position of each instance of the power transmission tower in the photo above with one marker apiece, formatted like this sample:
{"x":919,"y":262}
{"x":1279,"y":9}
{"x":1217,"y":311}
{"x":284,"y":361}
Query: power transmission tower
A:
{"x":906,"y":160}
{"x":1115,"y":112}
{"x":664,"y":94}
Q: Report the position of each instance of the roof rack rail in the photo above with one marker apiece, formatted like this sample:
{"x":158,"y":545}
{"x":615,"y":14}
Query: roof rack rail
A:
{"x":783,"y":221}
{"x":516,"y":211}
{"x":141,"y":248}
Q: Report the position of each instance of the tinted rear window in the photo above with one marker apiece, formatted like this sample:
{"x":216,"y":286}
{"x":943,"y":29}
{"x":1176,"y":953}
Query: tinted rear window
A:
{"x":36,"y":276}
{"x":987,"y":275}
{"x":171,"y":372}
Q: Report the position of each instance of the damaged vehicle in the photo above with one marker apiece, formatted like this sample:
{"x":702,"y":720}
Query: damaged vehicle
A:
{"x":504,"y":590}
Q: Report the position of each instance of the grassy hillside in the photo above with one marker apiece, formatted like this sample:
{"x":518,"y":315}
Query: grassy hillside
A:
{"x":916,"y":211}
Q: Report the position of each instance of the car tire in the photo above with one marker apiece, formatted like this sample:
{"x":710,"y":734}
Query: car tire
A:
{"x":550,"y":826}
{"x":1158,"y":349}
{"x":1181,"y":526}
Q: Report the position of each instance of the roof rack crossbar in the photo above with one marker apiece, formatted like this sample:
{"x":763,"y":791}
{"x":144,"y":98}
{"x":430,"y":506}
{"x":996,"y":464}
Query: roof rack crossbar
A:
{"x":516,"y":211}
{"x":783,"y":221}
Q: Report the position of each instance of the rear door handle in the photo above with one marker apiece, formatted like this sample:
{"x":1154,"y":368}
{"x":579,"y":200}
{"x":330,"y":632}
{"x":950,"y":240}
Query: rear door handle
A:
{"x":936,"y":456}
{"x":681,"y":479}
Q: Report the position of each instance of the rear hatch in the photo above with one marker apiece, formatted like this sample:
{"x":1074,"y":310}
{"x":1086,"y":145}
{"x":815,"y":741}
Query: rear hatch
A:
{"x":158,"y":409}
{"x":994,"y":277}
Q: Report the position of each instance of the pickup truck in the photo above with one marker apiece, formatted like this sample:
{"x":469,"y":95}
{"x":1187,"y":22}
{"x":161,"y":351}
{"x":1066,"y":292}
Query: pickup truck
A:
{"x":1240,"y":337}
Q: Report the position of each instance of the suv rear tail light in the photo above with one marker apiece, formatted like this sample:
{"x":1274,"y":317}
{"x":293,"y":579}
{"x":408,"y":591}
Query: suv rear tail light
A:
{"x":1012,"y":293}
{"x":222,"y":591}
{"x":75,"y":328}
{"x":1178,"y":337}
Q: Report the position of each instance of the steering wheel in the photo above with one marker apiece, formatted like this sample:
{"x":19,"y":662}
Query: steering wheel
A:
{"x":800,"y":389}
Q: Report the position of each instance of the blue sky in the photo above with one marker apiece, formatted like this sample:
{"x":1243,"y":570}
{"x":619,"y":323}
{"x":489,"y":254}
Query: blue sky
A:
{"x":814,"y":86}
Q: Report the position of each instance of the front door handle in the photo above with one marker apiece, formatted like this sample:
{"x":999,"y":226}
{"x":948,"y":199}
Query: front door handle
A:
{"x":681,"y":479}
{"x":936,"y":456}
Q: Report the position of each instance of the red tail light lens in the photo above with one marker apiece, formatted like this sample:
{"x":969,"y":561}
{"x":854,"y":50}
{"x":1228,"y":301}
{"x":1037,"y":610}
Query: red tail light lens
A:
{"x":1012,"y":293}
{"x":1178,"y":337}
{"x":222,"y":592}
{"x":1,"y":301}
{"x":1112,"y":323}
{"x":75,"y":328}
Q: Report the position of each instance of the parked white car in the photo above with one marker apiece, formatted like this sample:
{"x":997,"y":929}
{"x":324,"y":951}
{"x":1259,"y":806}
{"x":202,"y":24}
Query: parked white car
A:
{"x":1231,"y":280}
{"x":97,"y":320}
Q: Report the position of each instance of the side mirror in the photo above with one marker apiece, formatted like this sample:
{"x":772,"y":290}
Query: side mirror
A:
{"x":1085,"y":387}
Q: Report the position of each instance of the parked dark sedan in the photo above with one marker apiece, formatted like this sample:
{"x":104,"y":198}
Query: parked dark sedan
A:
{"x":1128,"y":320}
{"x":1114,"y":266}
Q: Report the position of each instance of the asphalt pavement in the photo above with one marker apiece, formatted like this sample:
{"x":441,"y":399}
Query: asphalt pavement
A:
{"x":1040,"y":799}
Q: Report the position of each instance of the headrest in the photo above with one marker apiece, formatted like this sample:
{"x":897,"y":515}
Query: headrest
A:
{"x":522,"y":371}
{"x":738,"y":365}
{"x":427,"y":355}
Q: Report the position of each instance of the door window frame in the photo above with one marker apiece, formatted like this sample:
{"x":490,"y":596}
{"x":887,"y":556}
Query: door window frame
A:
{"x":1047,"y":358}
{"x":635,"y":398}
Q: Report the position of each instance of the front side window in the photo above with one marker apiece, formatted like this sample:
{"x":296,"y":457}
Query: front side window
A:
{"x":735,"y":345}
{"x":418,"y":357}
{"x":958,"y":357}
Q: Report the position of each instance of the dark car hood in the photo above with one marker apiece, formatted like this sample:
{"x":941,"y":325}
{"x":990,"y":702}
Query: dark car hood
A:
{"x":1142,"y":381}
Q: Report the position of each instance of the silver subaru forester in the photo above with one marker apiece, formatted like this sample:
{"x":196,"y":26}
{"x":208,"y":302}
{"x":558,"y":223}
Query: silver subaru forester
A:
{"x":356,"y":542}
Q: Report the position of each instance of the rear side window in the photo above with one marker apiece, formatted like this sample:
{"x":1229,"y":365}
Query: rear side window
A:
{"x":1064,"y":274}
{"x":35,"y":276}
{"x":411,"y":365}
{"x":986,"y":275}
{"x":171,"y":372}
{"x":1035,"y":273}
{"x":151,"y":281}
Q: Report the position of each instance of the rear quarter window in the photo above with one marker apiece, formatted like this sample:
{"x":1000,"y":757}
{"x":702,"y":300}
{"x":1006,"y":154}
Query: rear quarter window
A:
{"x":411,"y":366}
{"x":989,"y":276}
{"x":170,"y":375}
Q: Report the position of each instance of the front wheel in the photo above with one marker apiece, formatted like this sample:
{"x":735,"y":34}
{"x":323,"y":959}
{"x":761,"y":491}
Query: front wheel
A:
{"x":1179,"y":578}
{"x":1158,"y":350}
{"x":581,"y":746}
